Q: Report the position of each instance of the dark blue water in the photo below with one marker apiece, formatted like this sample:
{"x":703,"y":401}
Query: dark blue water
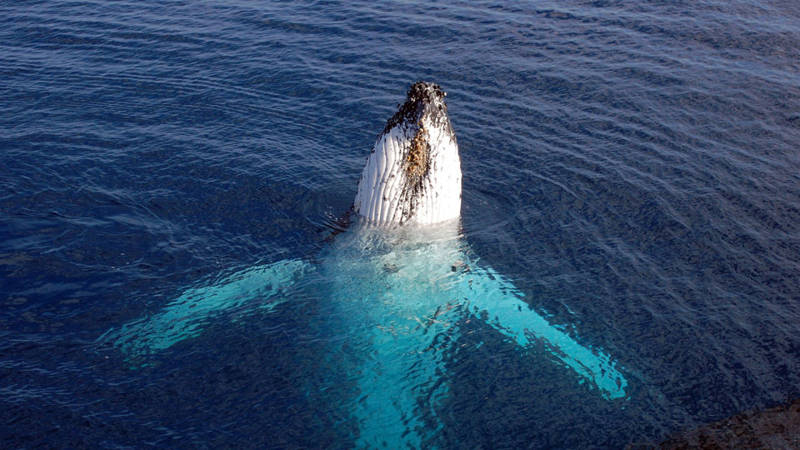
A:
{"x":633,"y":168}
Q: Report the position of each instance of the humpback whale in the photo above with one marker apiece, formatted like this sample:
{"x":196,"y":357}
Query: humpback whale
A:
{"x":398,"y":281}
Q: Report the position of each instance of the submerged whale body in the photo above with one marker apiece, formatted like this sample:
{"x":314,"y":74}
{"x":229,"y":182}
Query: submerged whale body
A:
{"x":397,"y":282}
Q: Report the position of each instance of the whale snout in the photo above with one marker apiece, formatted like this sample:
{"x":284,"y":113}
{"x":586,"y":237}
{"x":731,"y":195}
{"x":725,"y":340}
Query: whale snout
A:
{"x":413,"y":174}
{"x":423,"y":99}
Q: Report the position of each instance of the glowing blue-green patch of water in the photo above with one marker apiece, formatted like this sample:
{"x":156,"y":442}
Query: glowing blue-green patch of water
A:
{"x":394,"y":296}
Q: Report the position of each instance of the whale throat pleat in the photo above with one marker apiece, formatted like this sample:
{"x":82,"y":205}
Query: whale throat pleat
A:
{"x":411,"y":177}
{"x":413,"y":174}
{"x":387,"y":198}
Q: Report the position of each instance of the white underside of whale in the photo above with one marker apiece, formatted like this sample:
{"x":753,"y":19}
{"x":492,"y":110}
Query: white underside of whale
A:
{"x":381,"y":191}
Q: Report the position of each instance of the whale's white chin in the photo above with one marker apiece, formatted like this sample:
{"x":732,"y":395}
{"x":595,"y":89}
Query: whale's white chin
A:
{"x":413,"y":175}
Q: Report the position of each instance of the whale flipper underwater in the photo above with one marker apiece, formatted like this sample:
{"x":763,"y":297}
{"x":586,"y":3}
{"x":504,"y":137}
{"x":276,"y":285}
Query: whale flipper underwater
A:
{"x":397,"y":280}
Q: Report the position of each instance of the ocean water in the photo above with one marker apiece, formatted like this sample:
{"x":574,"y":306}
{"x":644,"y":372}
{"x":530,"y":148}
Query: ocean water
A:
{"x":632,"y":168}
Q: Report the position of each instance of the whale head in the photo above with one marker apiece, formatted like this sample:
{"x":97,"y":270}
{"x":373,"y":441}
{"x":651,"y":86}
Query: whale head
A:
{"x":413,"y":174}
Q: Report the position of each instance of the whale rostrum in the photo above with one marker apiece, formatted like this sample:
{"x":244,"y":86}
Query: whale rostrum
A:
{"x":396,"y":287}
{"x":413,"y":174}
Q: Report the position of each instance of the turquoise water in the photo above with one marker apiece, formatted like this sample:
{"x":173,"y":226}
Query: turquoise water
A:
{"x":630,"y":170}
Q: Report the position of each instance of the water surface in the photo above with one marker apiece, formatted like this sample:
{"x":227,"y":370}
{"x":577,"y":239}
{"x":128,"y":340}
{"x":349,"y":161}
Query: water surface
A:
{"x":633,"y":169}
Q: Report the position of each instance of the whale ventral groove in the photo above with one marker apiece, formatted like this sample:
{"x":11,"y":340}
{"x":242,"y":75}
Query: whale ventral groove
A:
{"x":413,"y":173}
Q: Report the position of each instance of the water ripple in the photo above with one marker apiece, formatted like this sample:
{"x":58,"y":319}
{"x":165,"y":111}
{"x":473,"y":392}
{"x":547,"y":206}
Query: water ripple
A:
{"x":631,"y":167}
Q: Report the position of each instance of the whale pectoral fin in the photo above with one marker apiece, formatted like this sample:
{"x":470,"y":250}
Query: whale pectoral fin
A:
{"x":185,"y":317}
{"x":493,"y":298}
